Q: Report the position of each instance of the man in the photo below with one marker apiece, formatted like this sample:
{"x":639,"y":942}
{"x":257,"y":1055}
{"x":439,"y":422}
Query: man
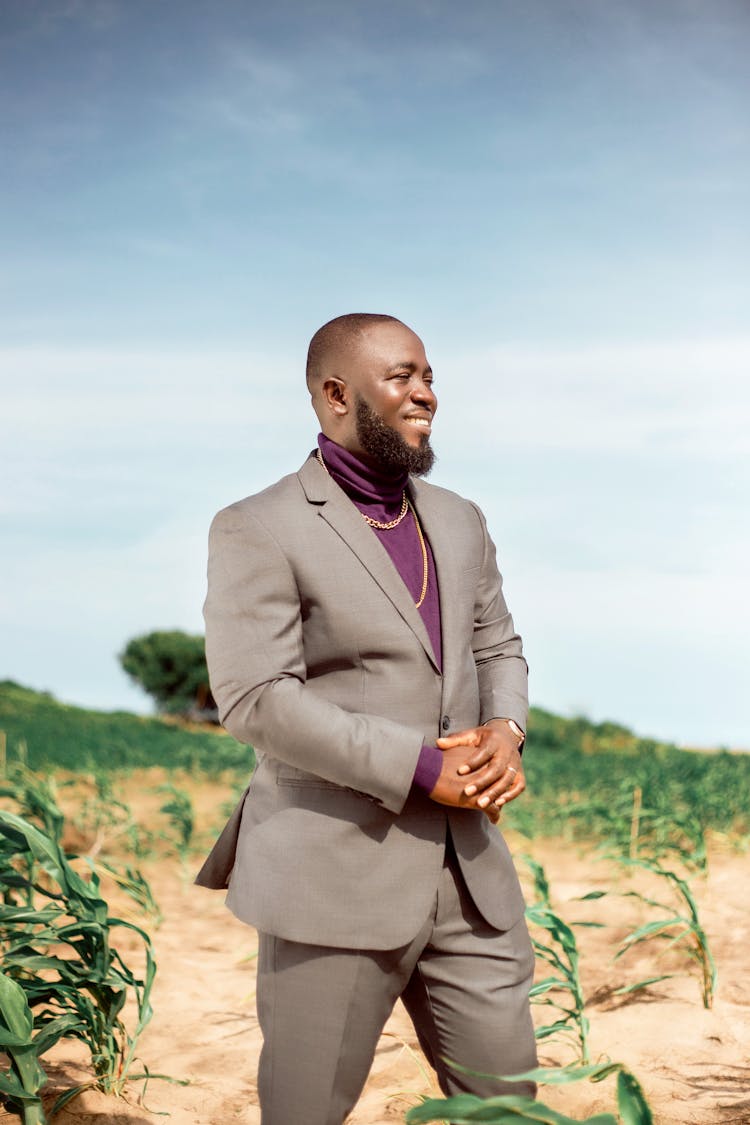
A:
{"x":354,"y":618}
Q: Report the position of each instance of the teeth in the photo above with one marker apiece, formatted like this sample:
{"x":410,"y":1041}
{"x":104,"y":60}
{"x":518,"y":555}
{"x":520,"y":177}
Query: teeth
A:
{"x":418,"y":421}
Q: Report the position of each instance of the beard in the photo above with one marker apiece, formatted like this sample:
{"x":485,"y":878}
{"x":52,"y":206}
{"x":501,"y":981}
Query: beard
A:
{"x":386,"y":446}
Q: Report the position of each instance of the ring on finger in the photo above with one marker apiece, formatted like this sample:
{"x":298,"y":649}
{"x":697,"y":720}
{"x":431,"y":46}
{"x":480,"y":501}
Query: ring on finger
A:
{"x":513,"y":770}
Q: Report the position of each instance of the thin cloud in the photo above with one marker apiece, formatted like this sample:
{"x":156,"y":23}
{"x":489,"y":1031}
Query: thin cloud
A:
{"x":688,"y":396}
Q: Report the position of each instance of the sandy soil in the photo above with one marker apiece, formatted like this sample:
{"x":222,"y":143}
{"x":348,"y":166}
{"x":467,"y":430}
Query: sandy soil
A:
{"x":692,"y":1063}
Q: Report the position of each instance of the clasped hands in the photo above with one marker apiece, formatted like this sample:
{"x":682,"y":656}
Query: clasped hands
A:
{"x":486,"y":779}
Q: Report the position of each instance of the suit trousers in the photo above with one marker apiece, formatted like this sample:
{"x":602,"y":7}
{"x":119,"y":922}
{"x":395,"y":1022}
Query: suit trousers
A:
{"x":321,"y":1009}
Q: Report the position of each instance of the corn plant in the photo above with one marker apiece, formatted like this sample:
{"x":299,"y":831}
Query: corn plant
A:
{"x":20,"y":1084}
{"x":179,"y":809}
{"x":650,"y":828}
{"x":35,"y":798}
{"x":109,"y":820}
{"x":562,"y":989}
{"x":55,"y":935}
{"x":675,"y":928}
{"x":36,"y":795}
{"x":135,"y":885}
{"x":507,"y":1109}
{"x":585,"y":778}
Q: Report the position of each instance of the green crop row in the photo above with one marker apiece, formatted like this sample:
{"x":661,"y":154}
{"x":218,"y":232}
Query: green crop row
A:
{"x":584,"y":778}
{"x":52,"y":735}
{"x":598,"y":780}
{"x":63,"y":976}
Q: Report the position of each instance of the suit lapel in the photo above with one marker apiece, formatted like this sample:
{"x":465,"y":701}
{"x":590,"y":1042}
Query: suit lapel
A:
{"x":432,"y":516}
{"x":339,"y":512}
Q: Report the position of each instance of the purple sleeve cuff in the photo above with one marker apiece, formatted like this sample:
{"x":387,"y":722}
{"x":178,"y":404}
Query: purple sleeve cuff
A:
{"x":429,"y":765}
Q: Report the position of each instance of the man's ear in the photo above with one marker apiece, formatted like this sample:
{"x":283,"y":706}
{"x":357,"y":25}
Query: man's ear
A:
{"x":335,"y":396}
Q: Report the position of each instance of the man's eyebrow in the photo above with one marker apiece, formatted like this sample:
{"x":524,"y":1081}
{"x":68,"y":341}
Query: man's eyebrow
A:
{"x":409,"y":366}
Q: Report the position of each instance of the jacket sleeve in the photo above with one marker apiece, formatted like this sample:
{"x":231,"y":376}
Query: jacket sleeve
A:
{"x":255,"y":654}
{"x":502,"y":671}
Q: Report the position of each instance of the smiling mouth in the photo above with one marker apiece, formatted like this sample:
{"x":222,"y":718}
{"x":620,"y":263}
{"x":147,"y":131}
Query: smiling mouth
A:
{"x":423,"y":423}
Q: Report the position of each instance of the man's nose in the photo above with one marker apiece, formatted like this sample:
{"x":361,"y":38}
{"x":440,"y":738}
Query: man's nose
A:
{"x":423,"y":393}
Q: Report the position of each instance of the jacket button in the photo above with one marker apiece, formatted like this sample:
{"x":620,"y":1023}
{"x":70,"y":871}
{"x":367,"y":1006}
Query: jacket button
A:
{"x":446,"y":722}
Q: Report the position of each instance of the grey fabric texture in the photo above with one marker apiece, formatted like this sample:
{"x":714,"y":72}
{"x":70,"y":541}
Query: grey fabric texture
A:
{"x":319,"y":659}
{"x":321,"y":1010}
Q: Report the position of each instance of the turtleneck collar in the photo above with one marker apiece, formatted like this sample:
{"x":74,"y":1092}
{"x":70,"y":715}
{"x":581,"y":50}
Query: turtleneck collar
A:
{"x":362,"y":482}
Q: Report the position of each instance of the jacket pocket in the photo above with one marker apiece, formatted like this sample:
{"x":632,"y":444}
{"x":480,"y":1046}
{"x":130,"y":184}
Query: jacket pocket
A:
{"x":300,"y":779}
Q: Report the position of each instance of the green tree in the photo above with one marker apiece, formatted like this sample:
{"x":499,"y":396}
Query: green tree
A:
{"x":171,"y":667}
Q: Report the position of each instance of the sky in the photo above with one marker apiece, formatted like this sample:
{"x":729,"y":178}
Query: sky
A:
{"x":552,"y":193}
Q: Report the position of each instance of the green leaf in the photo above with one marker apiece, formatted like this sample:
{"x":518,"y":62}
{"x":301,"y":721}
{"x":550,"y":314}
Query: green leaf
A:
{"x":552,"y":1029}
{"x":39,"y":961}
{"x":14,"y":1010}
{"x":547,"y":985}
{"x":562,"y":1076}
{"x":651,"y":929}
{"x":9,"y":1039}
{"x":642,"y":984}
{"x":58,"y":1028}
{"x":631,"y":1101}
{"x":10,"y":1085}
{"x":16,"y":1023}
{"x":465,"y":1109}
{"x":48,"y":853}
{"x":68,"y":1095}
{"x":17,"y":915}
{"x":461,"y":1103}
{"x":548,"y":1075}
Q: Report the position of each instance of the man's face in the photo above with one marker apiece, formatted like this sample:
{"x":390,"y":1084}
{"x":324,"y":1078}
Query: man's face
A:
{"x":394,"y":401}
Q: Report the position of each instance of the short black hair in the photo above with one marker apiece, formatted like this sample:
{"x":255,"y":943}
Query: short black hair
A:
{"x":335,"y":336}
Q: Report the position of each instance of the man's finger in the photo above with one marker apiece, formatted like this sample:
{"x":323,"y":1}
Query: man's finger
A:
{"x":461,"y":738}
{"x":476,"y":761}
{"x":493,"y":771}
{"x":507,"y":789}
{"x":508,"y":796}
{"x":511,"y":794}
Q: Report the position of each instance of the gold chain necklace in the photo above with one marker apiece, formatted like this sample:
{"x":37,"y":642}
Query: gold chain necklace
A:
{"x":425,"y":567}
{"x":405,"y":507}
{"x":374,"y":523}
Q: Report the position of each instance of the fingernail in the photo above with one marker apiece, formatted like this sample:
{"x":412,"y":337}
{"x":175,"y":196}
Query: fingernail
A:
{"x":463,"y":769}
{"x":470,"y":790}
{"x":483,"y":802}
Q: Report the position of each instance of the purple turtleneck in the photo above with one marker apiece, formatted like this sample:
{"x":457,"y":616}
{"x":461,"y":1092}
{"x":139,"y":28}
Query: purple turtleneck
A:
{"x":378,"y":494}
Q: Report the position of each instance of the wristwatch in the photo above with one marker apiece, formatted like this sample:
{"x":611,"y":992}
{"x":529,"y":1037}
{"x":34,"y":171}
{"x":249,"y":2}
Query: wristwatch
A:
{"x":517,"y":731}
{"x":520,"y":734}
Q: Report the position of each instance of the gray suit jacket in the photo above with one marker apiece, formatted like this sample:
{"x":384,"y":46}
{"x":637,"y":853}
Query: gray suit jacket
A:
{"x":319,"y":659}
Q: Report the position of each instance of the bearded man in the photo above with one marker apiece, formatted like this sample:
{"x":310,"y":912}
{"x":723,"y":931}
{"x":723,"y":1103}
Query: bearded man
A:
{"x":357,"y":636}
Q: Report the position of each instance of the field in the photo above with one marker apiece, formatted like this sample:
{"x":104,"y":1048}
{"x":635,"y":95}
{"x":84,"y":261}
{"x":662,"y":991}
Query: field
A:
{"x":601,"y":805}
